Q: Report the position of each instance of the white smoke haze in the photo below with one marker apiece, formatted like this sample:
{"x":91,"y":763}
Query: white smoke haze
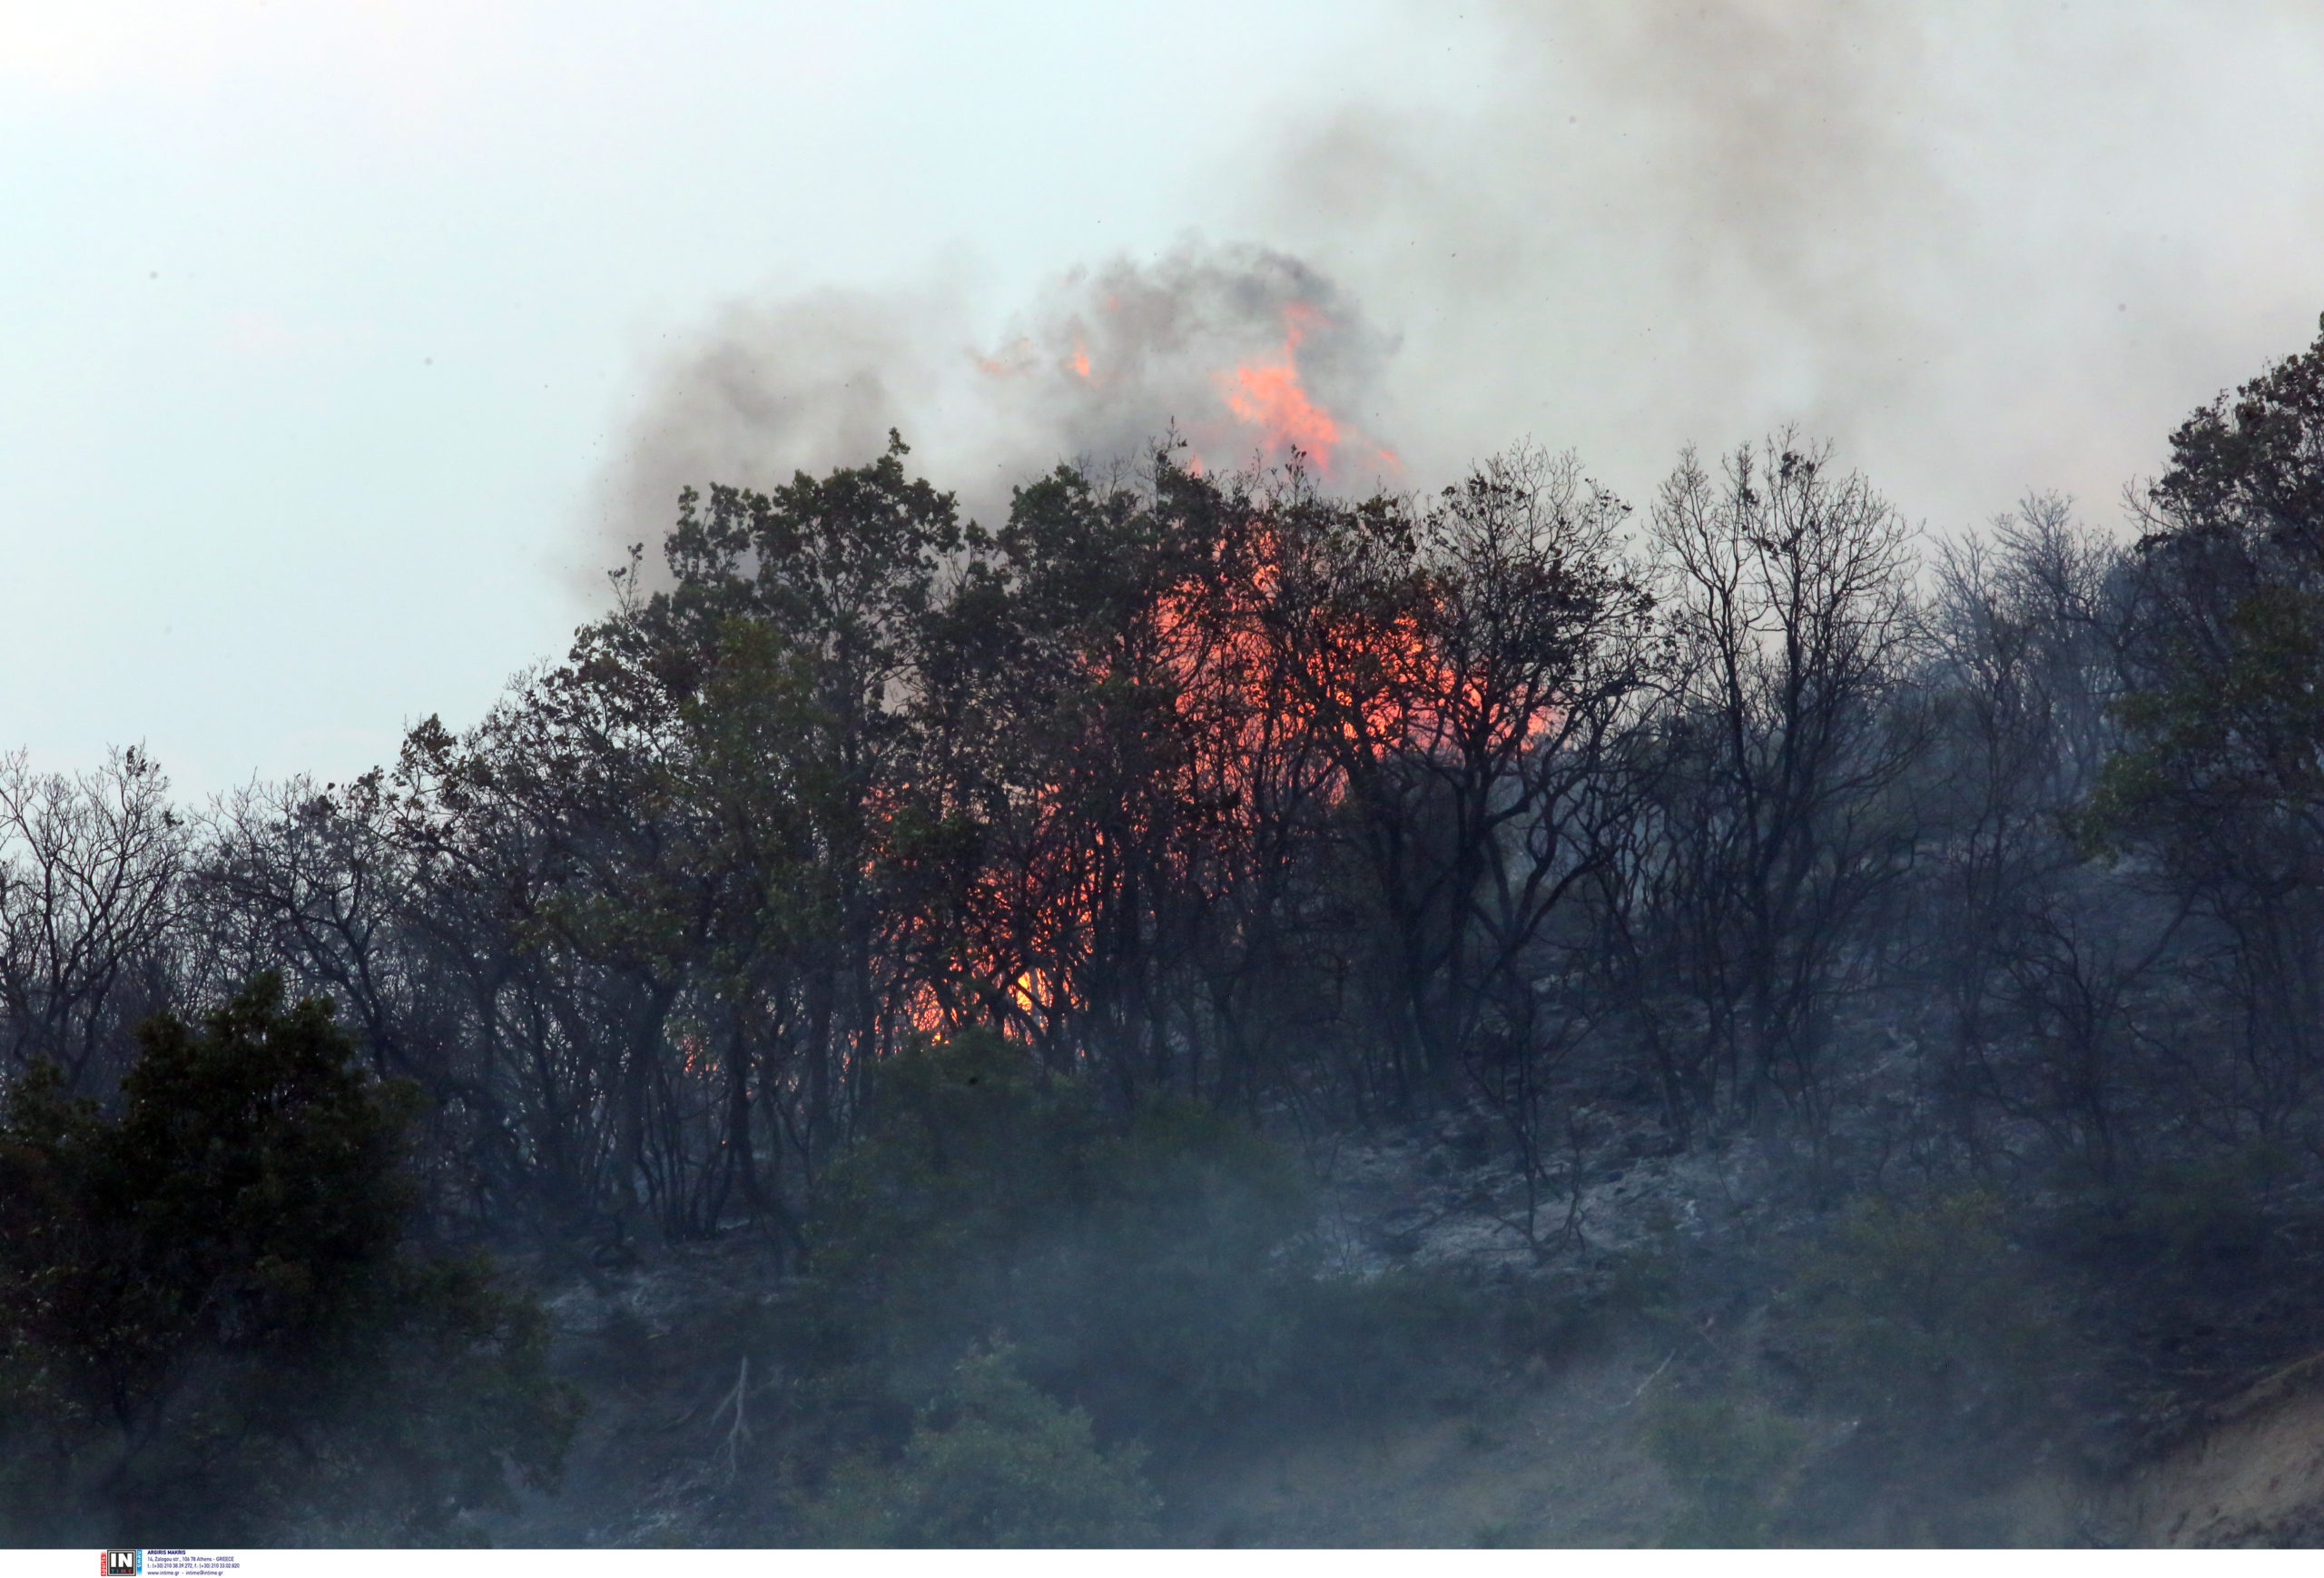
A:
{"x":1982,"y":247}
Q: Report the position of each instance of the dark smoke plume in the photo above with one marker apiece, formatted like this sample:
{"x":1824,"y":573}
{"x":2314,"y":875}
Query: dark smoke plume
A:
{"x":1244,"y":354}
{"x":1985,"y":248}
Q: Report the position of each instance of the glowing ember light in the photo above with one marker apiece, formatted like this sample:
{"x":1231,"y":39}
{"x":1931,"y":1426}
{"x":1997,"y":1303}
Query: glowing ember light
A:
{"x":1249,"y":684}
{"x":1011,"y":360}
{"x":1267,"y":395}
{"x":1080,"y":361}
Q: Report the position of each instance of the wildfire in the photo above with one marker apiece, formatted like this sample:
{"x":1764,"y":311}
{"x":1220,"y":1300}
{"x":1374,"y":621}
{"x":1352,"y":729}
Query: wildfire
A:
{"x":1267,"y":395}
{"x":1012,"y":361}
{"x":1268,"y":696}
{"x":1254,"y":685}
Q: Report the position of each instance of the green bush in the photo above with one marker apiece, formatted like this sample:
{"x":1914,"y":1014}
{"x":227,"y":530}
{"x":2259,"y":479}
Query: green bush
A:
{"x":2196,"y":1213}
{"x":1137,"y":1262}
{"x":1152,"y":1267}
{"x":1367,"y":1344}
{"x":1733,"y":1462}
{"x":1925,"y":1323}
{"x":994,"y":1462}
{"x":214,"y":1329}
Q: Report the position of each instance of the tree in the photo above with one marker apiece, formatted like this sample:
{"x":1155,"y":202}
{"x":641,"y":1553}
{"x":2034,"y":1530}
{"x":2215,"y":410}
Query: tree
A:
{"x":1465,"y":672}
{"x":89,"y":887}
{"x":1148,"y":770}
{"x":1772,"y":828}
{"x":216,"y":1324}
{"x":2023,"y":675}
{"x":1134,"y":1259}
{"x":993,"y":1464}
{"x":2220,"y":782}
{"x":840,"y":574}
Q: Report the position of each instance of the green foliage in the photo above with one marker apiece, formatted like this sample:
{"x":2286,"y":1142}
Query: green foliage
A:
{"x":1928,"y":1325}
{"x":2224,"y":718}
{"x":1734,"y":1462}
{"x":1137,"y":1263}
{"x":1650,"y":1276}
{"x":1152,"y":1267}
{"x":2259,"y":458}
{"x":1365,"y":1344}
{"x":994,"y":1462}
{"x":2234,"y":734}
{"x":212,"y":1328}
{"x":2201,"y":1210}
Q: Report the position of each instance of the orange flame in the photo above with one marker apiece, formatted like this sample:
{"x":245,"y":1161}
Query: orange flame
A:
{"x":1011,"y":360}
{"x":1267,"y":395}
{"x":1251,"y":684}
{"x":1080,"y":361}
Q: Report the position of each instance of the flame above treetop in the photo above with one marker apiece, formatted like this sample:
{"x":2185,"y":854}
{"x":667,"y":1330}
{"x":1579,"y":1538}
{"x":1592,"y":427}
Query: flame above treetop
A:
{"x":1267,"y":395}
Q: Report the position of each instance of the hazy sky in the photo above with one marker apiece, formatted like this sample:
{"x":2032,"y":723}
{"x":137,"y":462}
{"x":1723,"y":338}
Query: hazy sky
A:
{"x":345,"y":343}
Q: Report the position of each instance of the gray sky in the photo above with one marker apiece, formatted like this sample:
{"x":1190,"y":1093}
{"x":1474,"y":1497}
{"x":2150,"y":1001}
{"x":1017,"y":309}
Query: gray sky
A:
{"x":345,"y":343}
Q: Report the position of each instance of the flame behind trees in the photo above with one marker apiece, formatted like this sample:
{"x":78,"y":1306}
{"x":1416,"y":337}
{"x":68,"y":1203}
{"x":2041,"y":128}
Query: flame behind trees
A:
{"x":1217,"y":785}
{"x":1226,"y":682}
{"x":1116,"y":779}
{"x":1221,"y":788}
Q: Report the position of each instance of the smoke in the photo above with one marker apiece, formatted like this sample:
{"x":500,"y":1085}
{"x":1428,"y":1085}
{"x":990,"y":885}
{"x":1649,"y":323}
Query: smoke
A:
{"x":1247,"y":353}
{"x":1239,"y":355}
{"x":1985,"y":248}
{"x":764,"y":389}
